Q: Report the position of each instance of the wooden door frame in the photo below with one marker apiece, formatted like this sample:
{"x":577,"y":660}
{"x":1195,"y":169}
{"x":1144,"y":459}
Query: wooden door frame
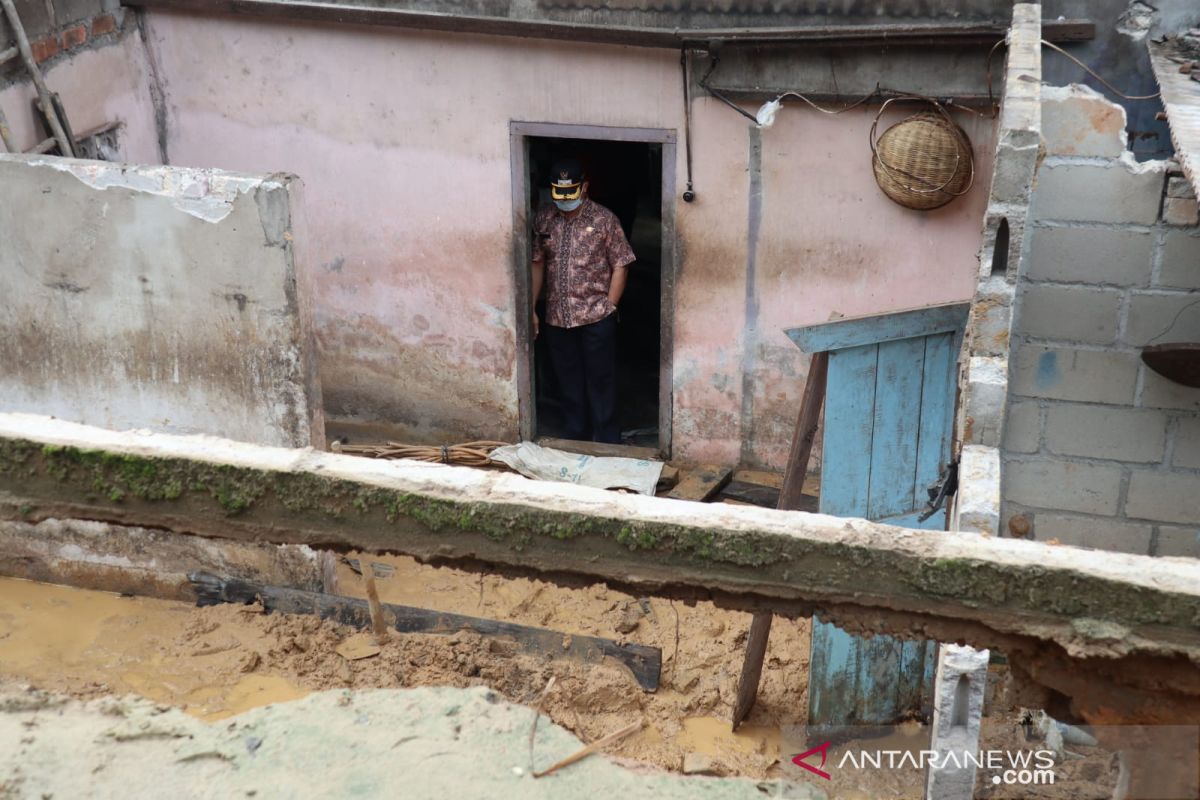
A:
{"x":519,"y":134}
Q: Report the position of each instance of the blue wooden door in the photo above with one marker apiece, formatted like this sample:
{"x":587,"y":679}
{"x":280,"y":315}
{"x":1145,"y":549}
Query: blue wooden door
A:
{"x":889,"y":410}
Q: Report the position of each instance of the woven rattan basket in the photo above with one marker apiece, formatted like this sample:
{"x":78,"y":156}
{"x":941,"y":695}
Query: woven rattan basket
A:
{"x":924,"y":161}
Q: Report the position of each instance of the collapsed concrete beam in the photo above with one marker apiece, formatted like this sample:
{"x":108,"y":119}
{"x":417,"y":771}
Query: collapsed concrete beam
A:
{"x":1135,"y":619}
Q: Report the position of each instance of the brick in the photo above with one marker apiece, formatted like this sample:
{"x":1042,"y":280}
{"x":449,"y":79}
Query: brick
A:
{"x":1174,"y":541}
{"x":1069,"y":313}
{"x":1063,"y":486}
{"x":1119,"y":191}
{"x":103,"y":24}
{"x":1158,"y":392}
{"x":44,"y":48}
{"x":1180,"y":261}
{"x":1187,"y":444}
{"x":1064,"y":373}
{"x":1091,"y":255}
{"x":1022,"y":428}
{"x":1079,"y":121}
{"x":74,"y":36}
{"x":1180,"y":186}
{"x":1163,"y":496}
{"x":1097,"y":532}
{"x":1162,"y":318}
{"x":1119,"y":434}
{"x":1181,"y":211}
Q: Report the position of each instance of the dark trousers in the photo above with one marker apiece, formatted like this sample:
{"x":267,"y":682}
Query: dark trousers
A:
{"x":585,"y":363}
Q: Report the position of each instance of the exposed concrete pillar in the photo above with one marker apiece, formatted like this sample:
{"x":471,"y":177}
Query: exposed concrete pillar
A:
{"x":958,"y":708}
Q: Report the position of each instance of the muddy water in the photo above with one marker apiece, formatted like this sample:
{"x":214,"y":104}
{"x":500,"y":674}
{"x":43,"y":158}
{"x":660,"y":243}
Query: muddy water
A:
{"x":92,"y":643}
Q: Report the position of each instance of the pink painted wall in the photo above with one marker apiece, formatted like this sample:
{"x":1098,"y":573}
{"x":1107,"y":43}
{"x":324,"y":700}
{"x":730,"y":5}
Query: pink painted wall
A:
{"x":107,"y":84}
{"x":415,"y":309}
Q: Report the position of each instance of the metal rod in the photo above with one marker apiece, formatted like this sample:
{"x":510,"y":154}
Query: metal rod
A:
{"x":44,"y":146}
{"x":35,"y":74}
{"x":689,"y":195}
{"x":9,"y":54}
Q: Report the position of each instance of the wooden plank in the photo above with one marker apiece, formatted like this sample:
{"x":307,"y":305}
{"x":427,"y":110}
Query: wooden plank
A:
{"x":601,"y":449}
{"x":806,"y":431}
{"x":751,"y":493}
{"x":849,"y":425}
{"x":937,"y":414}
{"x":897,"y":422}
{"x":668,"y":477}
{"x":756,"y":651}
{"x":700,"y":483}
{"x":833,"y":677}
{"x":760,"y":477}
{"x":857,"y":331}
{"x":644,"y":662}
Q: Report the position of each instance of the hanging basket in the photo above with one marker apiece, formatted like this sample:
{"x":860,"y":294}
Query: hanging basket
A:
{"x":924,"y":161}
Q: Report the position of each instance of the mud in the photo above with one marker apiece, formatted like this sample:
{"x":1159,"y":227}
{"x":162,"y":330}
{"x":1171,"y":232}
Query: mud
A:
{"x":220,"y":661}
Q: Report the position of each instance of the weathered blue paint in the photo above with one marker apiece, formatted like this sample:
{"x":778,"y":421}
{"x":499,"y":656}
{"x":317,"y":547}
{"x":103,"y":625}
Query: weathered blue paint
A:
{"x":855,"y":331}
{"x":1047,"y":370}
{"x":889,"y":409}
{"x":849,"y":410}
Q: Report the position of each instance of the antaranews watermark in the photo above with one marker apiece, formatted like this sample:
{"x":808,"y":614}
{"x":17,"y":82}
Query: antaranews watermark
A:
{"x":1012,"y":767}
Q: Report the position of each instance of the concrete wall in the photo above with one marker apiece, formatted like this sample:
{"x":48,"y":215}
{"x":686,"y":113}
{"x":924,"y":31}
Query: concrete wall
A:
{"x":415,"y":285}
{"x":1099,"y":450}
{"x":155,"y":297}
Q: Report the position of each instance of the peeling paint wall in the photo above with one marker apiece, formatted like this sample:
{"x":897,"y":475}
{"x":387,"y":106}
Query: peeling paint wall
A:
{"x":155,"y":297}
{"x":415,"y":309}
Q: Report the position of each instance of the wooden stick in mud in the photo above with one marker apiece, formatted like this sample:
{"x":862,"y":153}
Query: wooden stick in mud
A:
{"x":379,"y":628}
{"x":584,"y":752}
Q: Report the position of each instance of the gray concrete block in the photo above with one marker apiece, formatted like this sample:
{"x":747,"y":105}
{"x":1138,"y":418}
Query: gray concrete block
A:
{"x":991,"y":316}
{"x":1163,"y":496}
{"x":984,"y":399}
{"x":1119,"y":434}
{"x":1091,"y":255}
{"x":1158,"y":392}
{"x":1097,"y":532}
{"x":1161,"y":318}
{"x":1022,"y":428}
{"x":1180,"y":261}
{"x":957,"y":715}
{"x":1079,"y":121}
{"x":1064,"y":373}
{"x":1062,"y":485}
{"x":1069,"y":313}
{"x":1120,"y":191}
{"x":1187,"y":444}
{"x":1013,"y":171}
{"x":1180,"y":186}
{"x":1174,"y":541}
{"x":1182,"y":211}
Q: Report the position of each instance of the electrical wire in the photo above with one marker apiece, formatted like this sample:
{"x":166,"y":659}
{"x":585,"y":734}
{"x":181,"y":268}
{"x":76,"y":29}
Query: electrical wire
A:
{"x":688,"y":195}
{"x":1092,"y":72}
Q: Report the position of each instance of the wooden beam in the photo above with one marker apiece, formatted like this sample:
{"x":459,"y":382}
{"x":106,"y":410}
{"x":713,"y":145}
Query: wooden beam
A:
{"x":790,"y":499}
{"x":600,"y":449}
{"x":700,"y":483}
{"x":854,"y":331}
{"x":924,"y":34}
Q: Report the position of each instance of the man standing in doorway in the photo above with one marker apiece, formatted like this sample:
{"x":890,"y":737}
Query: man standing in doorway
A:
{"x":583,"y":257}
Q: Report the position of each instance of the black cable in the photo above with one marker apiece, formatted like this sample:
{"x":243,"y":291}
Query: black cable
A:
{"x":689,"y":195}
{"x":704,"y":85}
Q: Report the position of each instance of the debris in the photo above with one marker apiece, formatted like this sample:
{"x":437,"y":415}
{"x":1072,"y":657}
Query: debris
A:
{"x":600,"y":472}
{"x":644,"y":662}
{"x":357,"y":647}
{"x":599,"y":744}
{"x":631,"y":617}
{"x":699,"y":764}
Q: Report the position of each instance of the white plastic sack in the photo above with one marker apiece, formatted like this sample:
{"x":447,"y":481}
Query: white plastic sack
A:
{"x":548,"y":464}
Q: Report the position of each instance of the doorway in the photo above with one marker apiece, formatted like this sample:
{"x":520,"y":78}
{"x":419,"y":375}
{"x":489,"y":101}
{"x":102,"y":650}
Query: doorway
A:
{"x":625,"y":172}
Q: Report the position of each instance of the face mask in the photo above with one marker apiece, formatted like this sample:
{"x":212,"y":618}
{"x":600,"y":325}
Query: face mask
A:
{"x":568,"y":205}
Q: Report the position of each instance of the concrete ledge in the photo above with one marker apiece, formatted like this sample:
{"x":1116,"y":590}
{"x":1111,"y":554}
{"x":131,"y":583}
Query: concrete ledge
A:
{"x":1078,"y":621}
{"x":144,"y":561}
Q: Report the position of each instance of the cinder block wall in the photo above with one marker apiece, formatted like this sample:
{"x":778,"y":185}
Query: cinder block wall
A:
{"x":1099,"y":450}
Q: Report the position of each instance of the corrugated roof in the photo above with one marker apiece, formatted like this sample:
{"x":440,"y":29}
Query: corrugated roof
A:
{"x":1181,"y":99}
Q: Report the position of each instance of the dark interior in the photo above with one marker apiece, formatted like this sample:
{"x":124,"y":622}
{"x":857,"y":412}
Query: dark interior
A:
{"x":626,"y":178}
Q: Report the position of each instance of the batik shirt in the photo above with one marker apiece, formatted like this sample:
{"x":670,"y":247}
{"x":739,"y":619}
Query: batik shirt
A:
{"x":580,"y":254}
